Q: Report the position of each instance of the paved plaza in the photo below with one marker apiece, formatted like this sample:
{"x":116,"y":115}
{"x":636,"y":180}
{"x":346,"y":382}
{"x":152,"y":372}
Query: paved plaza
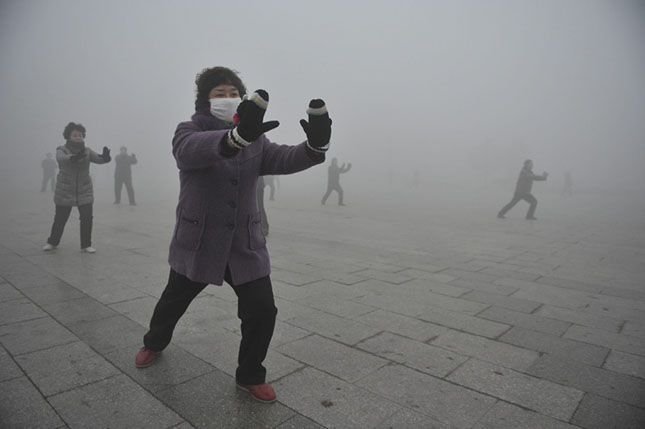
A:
{"x":390,"y":316}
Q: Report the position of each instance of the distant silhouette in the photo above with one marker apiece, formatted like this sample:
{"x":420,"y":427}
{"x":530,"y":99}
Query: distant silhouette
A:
{"x":567,"y":191}
{"x":333,"y":180}
{"x":263,"y":214}
{"x":523,"y":190}
{"x":123,"y":175}
{"x":270,"y":182}
{"x":49,"y":172}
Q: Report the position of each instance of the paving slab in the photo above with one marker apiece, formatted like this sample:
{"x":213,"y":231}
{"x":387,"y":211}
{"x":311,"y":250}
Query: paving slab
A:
{"x":625,"y":363}
{"x":508,"y":416}
{"x":53,"y":293}
{"x":19,"y":310}
{"x":32,"y":335}
{"x":602,"y":382}
{"x":528,"y":321}
{"x":545,"y":397}
{"x":464,"y":322}
{"x":581,"y":317}
{"x":603,"y":338}
{"x":502,"y":301}
{"x":445,"y":402}
{"x":596,"y":412}
{"x":9,"y":293}
{"x":405,"y":326}
{"x":8,"y":367}
{"x":22,"y":406}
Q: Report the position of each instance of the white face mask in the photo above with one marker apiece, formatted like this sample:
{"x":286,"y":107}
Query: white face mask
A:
{"x":224,"y":108}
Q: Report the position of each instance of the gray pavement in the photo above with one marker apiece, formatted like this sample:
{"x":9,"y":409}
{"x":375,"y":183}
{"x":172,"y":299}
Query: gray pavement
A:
{"x":395,"y":316}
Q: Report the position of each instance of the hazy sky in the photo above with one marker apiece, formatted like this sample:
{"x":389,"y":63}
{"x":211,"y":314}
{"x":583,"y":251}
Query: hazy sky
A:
{"x":458,"y":90}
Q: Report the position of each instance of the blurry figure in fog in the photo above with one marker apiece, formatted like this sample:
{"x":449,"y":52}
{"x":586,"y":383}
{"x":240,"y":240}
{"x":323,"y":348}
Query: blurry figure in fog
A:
{"x":333,"y":180}
{"x":49,"y":172}
{"x":270,"y":182}
{"x":523,"y":190}
{"x":263,"y":214}
{"x":567,"y":191}
{"x":74,"y":185}
{"x":123,"y":175}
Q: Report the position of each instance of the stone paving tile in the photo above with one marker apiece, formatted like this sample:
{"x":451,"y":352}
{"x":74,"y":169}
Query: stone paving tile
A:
{"x":508,"y":416}
{"x":32,"y":335}
{"x":110,"y":292}
{"x":19,"y":310}
{"x":78,"y":310}
{"x":8,"y":293}
{"x":502,"y":301}
{"x":213,"y":401}
{"x":430,"y":396}
{"x":596,"y":412}
{"x":427,"y":275}
{"x":638,"y":295}
{"x":339,"y":307}
{"x":339,"y":277}
{"x":105,"y":335}
{"x":28,"y":275}
{"x":395,"y":278}
{"x":484,"y":287}
{"x":580,"y":318}
{"x":380,"y":266}
{"x":346,"y":363}
{"x":557,"y":346}
{"x":464,"y":322}
{"x":571,"y":284}
{"x":65,"y":367}
{"x":334,"y":327}
{"x":414,"y":354}
{"x":332,"y":402}
{"x":138,"y":310}
{"x":410,"y":327}
{"x":407,"y":418}
{"x":626,"y":363}
{"x":469,"y":275}
{"x":434,"y":286}
{"x":487,"y":350}
{"x":294,"y":279}
{"x":52,"y":293}
{"x":547,"y":398}
{"x":528,"y":321}
{"x":510,"y":274}
{"x":8,"y":368}
{"x":284,"y":333}
{"x":113,"y":402}
{"x":173,"y":366}
{"x":22,"y":406}
{"x":633,"y":329}
{"x":215,"y":346}
{"x":299,"y":422}
{"x":623,"y":343}
{"x":609,"y":384}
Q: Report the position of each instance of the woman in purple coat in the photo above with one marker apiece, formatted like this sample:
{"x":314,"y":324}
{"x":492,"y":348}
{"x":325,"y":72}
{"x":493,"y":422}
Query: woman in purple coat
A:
{"x":218,"y":236}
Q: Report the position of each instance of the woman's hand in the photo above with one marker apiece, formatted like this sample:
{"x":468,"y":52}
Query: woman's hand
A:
{"x":106,"y":154}
{"x":249,"y":119}
{"x":318,"y":129}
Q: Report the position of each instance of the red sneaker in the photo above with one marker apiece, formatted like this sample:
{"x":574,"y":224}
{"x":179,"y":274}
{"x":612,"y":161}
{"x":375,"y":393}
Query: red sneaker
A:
{"x":145,"y":358}
{"x":260,"y":392}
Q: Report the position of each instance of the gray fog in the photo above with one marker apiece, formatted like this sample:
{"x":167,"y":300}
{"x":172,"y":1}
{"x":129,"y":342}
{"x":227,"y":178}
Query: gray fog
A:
{"x":456,"y":94}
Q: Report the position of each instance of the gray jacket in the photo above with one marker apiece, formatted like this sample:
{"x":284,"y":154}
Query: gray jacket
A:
{"x":525,"y":181}
{"x":73,"y":183}
{"x":217,"y":218}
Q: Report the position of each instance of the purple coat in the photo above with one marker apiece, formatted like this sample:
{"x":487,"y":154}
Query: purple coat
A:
{"x":217,"y":218}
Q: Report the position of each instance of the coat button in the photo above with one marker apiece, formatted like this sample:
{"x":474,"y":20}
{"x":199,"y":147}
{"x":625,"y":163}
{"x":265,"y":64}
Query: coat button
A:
{"x":234,"y":182}
{"x":232,"y":204}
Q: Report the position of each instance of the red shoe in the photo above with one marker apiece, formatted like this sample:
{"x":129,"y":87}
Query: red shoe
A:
{"x":260,"y":392}
{"x":145,"y":357}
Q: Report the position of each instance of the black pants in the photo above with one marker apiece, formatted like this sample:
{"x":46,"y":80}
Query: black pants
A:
{"x":336,"y":188}
{"x":516,"y":198}
{"x":255,"y":308}
{"x":60,"y":219}
{"x":46,"y":179}
{"x":118,"y":186}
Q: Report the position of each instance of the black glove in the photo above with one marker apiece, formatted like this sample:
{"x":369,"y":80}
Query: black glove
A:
{"x":78,"y":156}
{"x":249,"y":120}
{"x":318,"y":129}
{"x":106,"y":154}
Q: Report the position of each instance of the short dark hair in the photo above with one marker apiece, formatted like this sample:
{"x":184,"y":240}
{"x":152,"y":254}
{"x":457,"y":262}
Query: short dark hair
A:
{"x":73,"y":127}
{"x":208,"y":79}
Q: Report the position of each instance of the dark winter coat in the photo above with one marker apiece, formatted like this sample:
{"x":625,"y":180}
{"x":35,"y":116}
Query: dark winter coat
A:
{"x":217,"y":218}
{"x":525,"y":181}
{"x":123,"y":166}
{"x":73,"y":183}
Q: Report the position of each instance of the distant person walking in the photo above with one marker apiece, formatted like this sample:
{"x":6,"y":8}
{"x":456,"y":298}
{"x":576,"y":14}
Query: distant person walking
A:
{"x":49,"y":172}
{"x":123,"y":175}
{"x":263,"y":214}
{"x":221,"y":154}
{"x":270,"y":182}
{"x":74,"y":185}
{"x":523,"y":190}
{"x":567,"y":191}
{"x":333,"y":180}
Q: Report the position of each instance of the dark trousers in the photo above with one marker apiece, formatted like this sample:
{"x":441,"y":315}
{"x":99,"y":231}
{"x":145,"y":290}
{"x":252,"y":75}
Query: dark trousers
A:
{"x":47,"y":179}
{"x":336,"y":188}
{"x":118,"y":186}
{"x":60,"y":219}
{"x":255,"y":308}
{"x":516,"y":198}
